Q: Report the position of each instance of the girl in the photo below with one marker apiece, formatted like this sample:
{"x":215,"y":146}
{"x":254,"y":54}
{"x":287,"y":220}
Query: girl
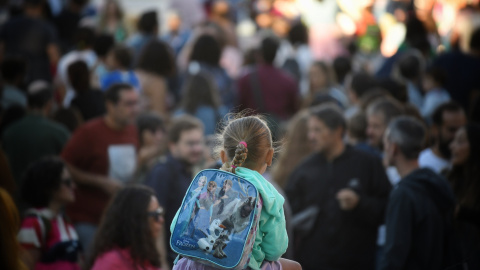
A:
{"x":130,"y":232}
{"x":271,"y":241}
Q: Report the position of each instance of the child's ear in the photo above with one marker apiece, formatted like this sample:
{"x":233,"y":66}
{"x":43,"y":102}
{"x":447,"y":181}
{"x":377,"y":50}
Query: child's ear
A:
{"x":269,"y":157}
{"x":223,"y":156}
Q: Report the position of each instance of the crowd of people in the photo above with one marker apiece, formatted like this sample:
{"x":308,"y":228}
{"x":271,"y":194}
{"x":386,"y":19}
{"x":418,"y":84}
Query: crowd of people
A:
{"x":374,"y":108}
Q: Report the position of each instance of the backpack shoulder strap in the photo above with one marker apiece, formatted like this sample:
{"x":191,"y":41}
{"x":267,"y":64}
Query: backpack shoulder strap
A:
{"x":45,"y":224}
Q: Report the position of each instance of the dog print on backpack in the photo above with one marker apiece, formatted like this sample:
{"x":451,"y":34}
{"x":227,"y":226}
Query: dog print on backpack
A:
{"x":217,"y":221}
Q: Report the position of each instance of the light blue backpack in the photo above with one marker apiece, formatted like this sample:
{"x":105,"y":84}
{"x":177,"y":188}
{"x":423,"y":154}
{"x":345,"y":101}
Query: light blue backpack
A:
{"x":218,"y":220}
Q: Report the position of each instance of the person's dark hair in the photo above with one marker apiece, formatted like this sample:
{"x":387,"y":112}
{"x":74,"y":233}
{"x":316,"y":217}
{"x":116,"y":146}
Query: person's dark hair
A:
{"x":410,"y":66}
{"x":181,"y":124}
{"x":103,"y":44}
{"x":39,"y":94}
{"x":417,"y":34}
{"x":252,"y":130}
{"x":156,"y":57}
{"x":33,"y":3}
{"x":79,"y":76}
{"x":80,"y":3}
{"x":388,"y":107}
{"x":371,"y":96}
{"x":268,"y":49}
{"x":206,"y":50}
{"x":298,"y":34}
{"x":464,"y":177}
{"x":322,"y":99}
{"x":125,"y":226}
{"x":357,"y":126}
{"x":408,"y":134}
{"x":84,"y":38}
{"x":475,"y":40}
{"x":123,"y":55}
{"x":331,"y":116}
{"x":42,"y":178}
{"x":451,"y":106}
{"x":439,"y":75}
{"x":113,"y":92}
{"x":395,"y":88}
{"x":199,"y":90}
{"x":362,"y":82}
{"x":341,"y":66}
{"x":151,"y":122}
{"x":69,"y":117}
{"x":13,"y":68}
{"x":148,"y":22}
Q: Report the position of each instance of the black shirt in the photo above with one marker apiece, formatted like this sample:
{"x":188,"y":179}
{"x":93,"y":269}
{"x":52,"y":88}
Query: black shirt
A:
{"x":170,"y":179}
{"x":91,"y":104}
{"x":340,"y":239}
{"x":462,"y":75}
{"x":29,"y":37}
{"x":417,"y":217}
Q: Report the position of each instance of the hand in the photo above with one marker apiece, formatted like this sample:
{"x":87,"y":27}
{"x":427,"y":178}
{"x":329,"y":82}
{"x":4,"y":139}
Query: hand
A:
{"x":111,"y":186}
{"x":348,"y":199}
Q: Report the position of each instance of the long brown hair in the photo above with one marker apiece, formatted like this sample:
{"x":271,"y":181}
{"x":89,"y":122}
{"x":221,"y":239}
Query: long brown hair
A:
{"x":295,"y":149}
{"x":465,"y":178}
{"x":199,"y":90}
{"x":9,"y":247}
{"x":252,"y":130}
{"x":125,"y":225}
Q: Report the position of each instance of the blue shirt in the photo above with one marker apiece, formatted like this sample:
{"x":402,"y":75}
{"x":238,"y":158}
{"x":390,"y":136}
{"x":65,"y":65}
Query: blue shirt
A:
{"x":119,"y":77}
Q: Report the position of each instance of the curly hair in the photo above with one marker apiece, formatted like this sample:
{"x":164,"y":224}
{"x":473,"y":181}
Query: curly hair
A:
{"x":42,"y":179}
{"x":125,"y":225}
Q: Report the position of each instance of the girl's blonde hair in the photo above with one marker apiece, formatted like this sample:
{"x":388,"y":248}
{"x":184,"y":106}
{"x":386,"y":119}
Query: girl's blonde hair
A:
{"x":252,"y":130}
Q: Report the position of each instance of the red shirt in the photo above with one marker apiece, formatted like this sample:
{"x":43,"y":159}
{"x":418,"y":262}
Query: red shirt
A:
{"x":279,"y":92}
{"x":95,"y":148}
{"x":57,"y":239}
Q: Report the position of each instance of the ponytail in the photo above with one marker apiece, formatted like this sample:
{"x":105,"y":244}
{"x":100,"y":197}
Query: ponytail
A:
{"x":241,"y":153}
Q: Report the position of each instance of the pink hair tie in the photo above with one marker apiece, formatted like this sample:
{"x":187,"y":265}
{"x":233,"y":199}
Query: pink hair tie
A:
{"x":243,"y":143}
{"x":233,"y":166}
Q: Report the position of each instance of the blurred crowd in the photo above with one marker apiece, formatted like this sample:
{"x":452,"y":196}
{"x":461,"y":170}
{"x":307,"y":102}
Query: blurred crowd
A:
{"x":106,"y":117}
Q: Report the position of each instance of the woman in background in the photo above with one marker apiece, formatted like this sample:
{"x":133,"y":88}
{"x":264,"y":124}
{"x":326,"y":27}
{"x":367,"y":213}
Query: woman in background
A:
{"x":48,"y":238}
{"x":295,"y":149}
{"x":465,"y":180}
{"x":111,"y":21}
{"x":129,"y":234}
{"x":200,"y":99}
{"x":155,"y":63}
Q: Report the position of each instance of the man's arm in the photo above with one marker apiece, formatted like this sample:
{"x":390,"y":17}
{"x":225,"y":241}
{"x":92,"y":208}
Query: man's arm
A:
{"x":399,"y":225}
{"x":107,"y":184}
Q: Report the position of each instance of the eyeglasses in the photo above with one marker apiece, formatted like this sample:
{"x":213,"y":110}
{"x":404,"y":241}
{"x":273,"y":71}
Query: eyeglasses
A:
{"x":67,"y":182}
{"x":156,"y":214}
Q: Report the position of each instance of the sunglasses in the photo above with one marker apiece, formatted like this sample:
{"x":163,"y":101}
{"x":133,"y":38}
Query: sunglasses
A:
{"x":156,"y":214}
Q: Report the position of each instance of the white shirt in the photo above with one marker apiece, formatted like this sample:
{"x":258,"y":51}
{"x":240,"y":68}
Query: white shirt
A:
{"x":428,"y":159}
